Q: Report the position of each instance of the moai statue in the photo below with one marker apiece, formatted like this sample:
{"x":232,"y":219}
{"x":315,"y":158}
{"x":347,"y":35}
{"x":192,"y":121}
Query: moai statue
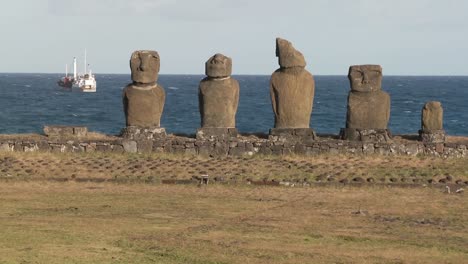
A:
{"x":143,"y":100}
{"x":218,"y":96}
{"x":368,"y":106}
{"x":432,"y":130}
{"x":292,"y":90}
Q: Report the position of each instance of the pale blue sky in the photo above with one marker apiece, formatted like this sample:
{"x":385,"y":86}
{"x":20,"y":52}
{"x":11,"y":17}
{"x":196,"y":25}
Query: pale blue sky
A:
{"x":406,"y":37}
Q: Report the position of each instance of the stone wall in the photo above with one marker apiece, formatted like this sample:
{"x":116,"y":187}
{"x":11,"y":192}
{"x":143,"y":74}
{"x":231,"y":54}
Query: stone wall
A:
{"x":236,"y":146}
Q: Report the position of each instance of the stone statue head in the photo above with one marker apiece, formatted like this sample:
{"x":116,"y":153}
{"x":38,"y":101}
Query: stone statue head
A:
{"x":365,"y":78}
{"x":218,"y":66}
{"x":287,"y":55}
{"x":144,"y":65}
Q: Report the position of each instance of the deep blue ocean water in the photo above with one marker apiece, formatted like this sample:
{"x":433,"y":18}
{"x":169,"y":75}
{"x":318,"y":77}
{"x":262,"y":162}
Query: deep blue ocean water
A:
{"x":30,"y":101}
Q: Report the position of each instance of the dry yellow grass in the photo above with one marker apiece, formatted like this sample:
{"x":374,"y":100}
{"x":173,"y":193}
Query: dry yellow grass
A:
{"x":330,"y":169}
{"x":156,"y":167}
{"x":44,"y":222}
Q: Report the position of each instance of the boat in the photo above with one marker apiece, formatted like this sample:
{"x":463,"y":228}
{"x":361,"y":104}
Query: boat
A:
{"x":85,"y":82}
{"x":66,"y":81}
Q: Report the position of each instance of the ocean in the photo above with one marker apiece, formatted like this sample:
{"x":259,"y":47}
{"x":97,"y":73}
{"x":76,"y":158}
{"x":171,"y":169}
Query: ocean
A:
{"x":30,"y":101}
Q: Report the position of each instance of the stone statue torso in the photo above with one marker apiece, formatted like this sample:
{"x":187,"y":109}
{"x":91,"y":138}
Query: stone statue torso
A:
{"x":292,"y":94}
{"x":368,"y":110}
{"x":219,"y":99}
{"x":143,"y":106}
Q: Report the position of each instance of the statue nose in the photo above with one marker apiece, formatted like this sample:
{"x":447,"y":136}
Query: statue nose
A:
{"x":365,"y":79}
{"x":143,"y":63}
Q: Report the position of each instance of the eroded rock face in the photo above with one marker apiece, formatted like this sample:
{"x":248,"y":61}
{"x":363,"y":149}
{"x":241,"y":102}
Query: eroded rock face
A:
{"x":287,"y":55}
{"x":144,"y":99}
{"x":218,"y":66}
{"x":218,"y":94}
{"x":145,"y":65}
{"x":432,"y":116}
{"x":368,"y":105}
{"x":292,"y":88}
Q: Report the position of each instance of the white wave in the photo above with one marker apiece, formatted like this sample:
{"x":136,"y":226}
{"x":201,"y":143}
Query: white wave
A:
{"x":27,"y":85}
{"x":454,"y":120}
{"x":409,"y":102}
{"x":173,"y":88}
{"x":400,"y":85}
{"x":74,"y":115}
{"x":407,"y":111}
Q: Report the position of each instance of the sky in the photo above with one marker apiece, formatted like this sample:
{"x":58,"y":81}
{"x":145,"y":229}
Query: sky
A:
{"x":406,"y":37}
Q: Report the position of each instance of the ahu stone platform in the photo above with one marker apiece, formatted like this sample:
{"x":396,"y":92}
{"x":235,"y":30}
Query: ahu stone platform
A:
{"x":243,"y":144}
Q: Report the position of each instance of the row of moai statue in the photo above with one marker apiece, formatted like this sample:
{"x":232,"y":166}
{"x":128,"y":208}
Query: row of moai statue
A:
{"x":292,"y":90}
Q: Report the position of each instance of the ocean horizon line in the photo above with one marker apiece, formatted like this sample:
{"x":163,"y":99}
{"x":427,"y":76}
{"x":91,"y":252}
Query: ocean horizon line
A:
{"x":242,"y":74}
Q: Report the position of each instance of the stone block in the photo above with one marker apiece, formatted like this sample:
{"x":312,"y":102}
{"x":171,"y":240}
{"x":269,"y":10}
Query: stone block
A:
{"x":366,"y":135}
{"x":432,"y":136}
{"x":130,"y":146}
{"x":117,"y":149}
{"x":6,"y":147}
{"x":191,"y":151}
{"x":103,"y":147}
{"x":18,"y":146}
{"x":265,"y":150}
{"x":145,"y":146}
{"x":220,"y":149}
{"x":237,"y":151}
{"x":65,"y":131}
{"x":205,"y":150}
{"x":292,"y":135}
{"x":143,"y":133}
{"x":216,"y":133}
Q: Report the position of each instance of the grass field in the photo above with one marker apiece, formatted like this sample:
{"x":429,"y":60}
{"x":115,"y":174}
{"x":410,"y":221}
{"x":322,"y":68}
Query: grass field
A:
{"x":129,"y":217}
{"x":157,"y":167}
{"x":43,"y":222}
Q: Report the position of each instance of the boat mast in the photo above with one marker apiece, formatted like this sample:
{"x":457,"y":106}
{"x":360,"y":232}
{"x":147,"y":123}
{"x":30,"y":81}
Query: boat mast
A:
{"x":85,"y":65}
{"x":74,"y":68}
{"x":66,"y":70}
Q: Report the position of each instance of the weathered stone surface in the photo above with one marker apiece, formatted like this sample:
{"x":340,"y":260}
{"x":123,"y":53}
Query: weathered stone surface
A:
{"x":292,"y":135}
{"x":368,"y":106}
{"x":366,"y":135}
{"x":432,"y":116}
{"x":292,"y":89}
{"x":287,"y":55}
{"x":368,"y":110}
{"x":372,"y":142}
{"x":142,"y":133}
{"x":143,"y":100}
{"x":65,"y":131}
{"x":143,"y":106}
{"x":432,"y":136}
{"x":145,"y":65}
{"x":301,"y":132}
{"x":216,"y":133}
{"x":6,"y":147}
{"x":103,"y":147}
{"x":145,"y":145}
{"x":218,"y":94}
{"x":130,"y":146}
{"x":218,"y":66}
{"x":118,"y":149}
{"x":365,"y":78}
